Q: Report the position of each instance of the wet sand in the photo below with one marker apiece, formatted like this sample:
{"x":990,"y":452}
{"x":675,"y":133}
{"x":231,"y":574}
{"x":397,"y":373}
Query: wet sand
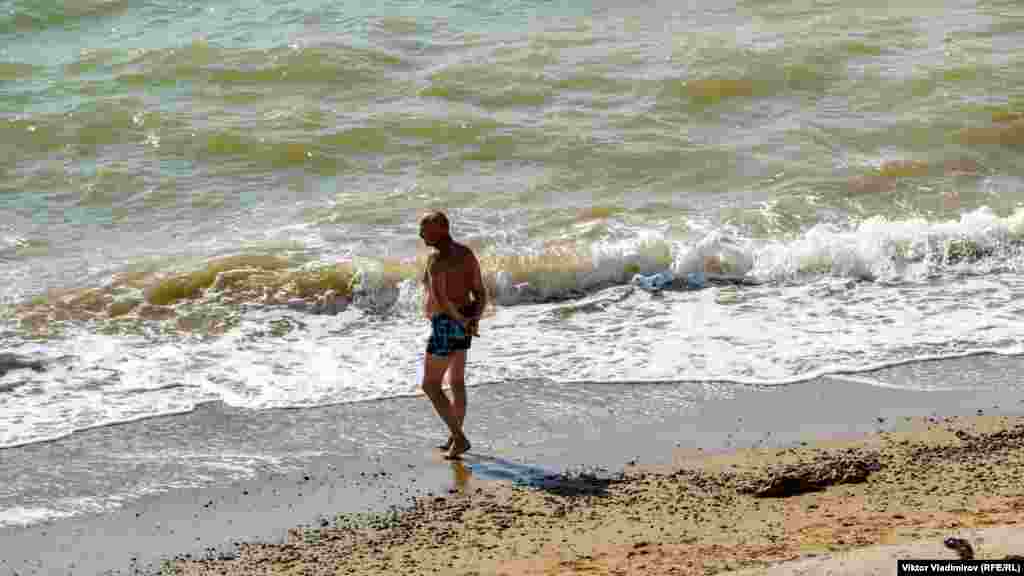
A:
{"x":805,"y":509}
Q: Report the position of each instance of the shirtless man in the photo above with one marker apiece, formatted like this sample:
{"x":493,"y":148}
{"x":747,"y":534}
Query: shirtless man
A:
{"x":451,"y":277}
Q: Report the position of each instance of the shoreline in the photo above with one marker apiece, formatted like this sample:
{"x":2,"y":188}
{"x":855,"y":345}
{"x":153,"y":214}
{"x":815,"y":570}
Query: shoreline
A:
{"x":264,"y":473}
{"x":749,"y":511}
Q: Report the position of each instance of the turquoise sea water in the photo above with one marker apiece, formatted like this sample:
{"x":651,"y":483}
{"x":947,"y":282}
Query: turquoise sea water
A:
{"x":176,"y":180}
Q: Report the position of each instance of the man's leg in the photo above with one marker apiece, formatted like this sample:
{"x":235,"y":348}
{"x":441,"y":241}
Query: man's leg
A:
{"x":456,"y":374}
{"x":433,"y":375}
{"x":457,"y":382}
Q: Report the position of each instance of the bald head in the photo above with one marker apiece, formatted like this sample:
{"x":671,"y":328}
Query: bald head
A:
{"x":435,"y":218}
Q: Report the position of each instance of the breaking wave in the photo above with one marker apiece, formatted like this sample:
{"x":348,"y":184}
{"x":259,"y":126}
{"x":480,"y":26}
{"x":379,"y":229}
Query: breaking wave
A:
{"x":205,"y":296}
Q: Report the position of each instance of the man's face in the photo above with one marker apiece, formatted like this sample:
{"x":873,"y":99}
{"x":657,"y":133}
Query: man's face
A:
{"x":429,"y":233}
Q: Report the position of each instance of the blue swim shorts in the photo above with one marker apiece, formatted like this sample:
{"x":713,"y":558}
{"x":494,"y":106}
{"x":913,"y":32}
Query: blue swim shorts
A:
{"x":446,"y":336}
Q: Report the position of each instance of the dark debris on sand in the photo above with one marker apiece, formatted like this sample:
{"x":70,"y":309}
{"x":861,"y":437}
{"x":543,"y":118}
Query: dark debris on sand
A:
{"x":829,"y":469}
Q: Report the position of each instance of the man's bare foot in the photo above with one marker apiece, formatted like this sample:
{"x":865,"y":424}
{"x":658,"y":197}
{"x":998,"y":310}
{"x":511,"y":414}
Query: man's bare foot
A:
{"x":459,"y":447}
{"x":447,"y":444}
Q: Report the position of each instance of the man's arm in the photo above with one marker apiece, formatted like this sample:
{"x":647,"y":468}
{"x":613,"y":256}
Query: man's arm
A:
{"x":427,"y":297}
{"x":477,"y":287}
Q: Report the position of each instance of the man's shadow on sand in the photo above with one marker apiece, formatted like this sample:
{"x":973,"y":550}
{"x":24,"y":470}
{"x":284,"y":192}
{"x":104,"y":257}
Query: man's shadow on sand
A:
{"x":566,"y":484}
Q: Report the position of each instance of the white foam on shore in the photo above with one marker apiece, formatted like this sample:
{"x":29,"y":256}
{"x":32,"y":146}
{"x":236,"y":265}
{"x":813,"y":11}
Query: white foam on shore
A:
{"x":22,"y":516}
{"x":766,"y":335}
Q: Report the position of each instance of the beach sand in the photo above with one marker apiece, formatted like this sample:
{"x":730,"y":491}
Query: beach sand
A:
{"x":841,"y":506}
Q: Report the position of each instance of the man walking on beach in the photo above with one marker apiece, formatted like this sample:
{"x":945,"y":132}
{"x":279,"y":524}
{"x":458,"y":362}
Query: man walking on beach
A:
{"x":451,"y":278}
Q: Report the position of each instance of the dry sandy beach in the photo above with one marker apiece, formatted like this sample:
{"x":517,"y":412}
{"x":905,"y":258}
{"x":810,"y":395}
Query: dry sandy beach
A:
{"x":841,"y":506}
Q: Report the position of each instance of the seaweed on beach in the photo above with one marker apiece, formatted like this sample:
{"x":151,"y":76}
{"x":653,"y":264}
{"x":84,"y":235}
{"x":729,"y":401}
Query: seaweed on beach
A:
{"x":825,"y":470}
{"x":365,"y":520}
{"x":574,"y":485}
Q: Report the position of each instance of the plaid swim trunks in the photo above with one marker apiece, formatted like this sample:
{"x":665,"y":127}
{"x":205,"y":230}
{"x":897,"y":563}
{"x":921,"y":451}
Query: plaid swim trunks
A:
{"x":446,"y":336}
